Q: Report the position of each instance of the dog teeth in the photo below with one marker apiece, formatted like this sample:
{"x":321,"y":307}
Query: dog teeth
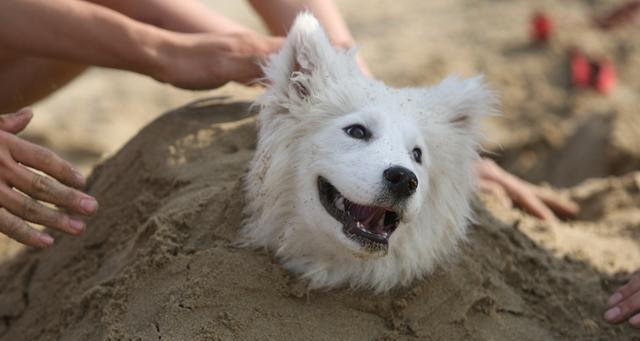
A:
{"x":359,"y":225}
{"x":339,"y":203}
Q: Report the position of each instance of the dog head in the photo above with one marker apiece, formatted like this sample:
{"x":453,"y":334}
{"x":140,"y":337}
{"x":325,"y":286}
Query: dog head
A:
{"x":352,"y":177}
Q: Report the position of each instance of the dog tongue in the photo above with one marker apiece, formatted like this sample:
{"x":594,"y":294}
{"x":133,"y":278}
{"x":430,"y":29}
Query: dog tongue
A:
{"x":367,"y":215}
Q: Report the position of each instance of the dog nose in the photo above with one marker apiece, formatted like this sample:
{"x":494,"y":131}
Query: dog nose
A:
{"x":401,"y":181}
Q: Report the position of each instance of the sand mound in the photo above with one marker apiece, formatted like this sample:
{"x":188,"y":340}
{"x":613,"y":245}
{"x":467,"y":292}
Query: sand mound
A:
{"x":158,"y":262}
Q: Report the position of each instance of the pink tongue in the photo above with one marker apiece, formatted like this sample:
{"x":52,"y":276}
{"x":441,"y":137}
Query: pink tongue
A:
{"x":361,"y":213}
{"x":367,"y":215}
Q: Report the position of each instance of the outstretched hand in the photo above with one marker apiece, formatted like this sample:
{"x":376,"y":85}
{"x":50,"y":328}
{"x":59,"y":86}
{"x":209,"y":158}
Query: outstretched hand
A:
{"x":206,"y":61}
{"x":21,"y":188}
{"x":509,"y":189}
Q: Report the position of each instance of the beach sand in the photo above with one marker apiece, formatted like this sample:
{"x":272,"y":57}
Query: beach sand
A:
{"x":159,"y":263}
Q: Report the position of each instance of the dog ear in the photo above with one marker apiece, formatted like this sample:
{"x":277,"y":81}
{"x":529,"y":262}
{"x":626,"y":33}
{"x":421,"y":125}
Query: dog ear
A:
{"x":466,"y":101}
{"x":305,"y":54}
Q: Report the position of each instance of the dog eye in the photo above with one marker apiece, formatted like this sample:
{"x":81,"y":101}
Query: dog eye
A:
{"x":358,"y":132}
{"x":417,"y":154}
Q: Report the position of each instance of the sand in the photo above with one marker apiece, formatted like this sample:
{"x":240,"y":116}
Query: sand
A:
{"x":158,"y":262}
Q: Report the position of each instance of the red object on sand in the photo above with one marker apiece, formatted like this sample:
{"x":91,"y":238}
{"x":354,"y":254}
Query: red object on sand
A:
{"x":541,"y":27}
{"x":580,"y":69}
{"x":600,"y":75}
{"x":605,"y":78}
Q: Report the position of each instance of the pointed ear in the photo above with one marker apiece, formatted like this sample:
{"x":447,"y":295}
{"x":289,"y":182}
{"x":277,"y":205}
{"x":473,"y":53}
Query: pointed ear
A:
{"x":464,"y":101}
{"x":306,"y":53}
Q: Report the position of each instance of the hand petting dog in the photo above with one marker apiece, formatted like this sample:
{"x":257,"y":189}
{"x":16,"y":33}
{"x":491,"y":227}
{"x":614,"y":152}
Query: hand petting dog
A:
{"x":21,"y":188}
{"x":203,"y":61}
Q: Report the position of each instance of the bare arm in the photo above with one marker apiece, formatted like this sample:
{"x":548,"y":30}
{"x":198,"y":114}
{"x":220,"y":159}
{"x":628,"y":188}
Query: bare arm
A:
{"x":278,"y":15}
{"x":80,"y":32}
{"x":186,"y":16}
{"x":90,"y":34}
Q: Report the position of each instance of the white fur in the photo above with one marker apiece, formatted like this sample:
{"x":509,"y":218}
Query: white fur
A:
{"x":314,"y":92}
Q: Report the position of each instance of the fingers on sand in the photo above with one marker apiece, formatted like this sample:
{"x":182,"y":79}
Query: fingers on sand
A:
{"x":16,"y":228}
{"x":625,"y":303}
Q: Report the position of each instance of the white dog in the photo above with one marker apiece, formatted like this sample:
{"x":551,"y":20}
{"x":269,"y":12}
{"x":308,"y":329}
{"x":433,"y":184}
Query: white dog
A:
{"x":354,"y":182}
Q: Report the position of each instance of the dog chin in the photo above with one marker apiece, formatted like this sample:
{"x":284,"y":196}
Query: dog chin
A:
{"x":356,"y":250}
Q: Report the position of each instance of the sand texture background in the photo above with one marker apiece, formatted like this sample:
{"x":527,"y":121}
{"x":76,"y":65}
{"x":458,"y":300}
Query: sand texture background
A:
{"x":158,"y":261}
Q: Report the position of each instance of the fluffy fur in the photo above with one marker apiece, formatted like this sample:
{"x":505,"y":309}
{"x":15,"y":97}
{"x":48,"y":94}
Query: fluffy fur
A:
{"x":314,"y":92}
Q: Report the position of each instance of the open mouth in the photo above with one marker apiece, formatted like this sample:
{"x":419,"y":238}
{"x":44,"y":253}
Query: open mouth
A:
{"x":370,"y":226}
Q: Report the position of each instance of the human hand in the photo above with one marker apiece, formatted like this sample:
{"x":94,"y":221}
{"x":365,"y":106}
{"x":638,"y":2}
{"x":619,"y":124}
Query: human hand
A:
{"x":17,"y":208}
{"x":509,"y":189}
{"x":625,"y":303}
{"x":206,"y":61}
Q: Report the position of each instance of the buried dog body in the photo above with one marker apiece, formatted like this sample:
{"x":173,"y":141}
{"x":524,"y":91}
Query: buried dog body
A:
{"x":354,"y":182}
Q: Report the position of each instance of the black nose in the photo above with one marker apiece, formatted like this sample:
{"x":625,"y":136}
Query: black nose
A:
{"x":400,"y":181}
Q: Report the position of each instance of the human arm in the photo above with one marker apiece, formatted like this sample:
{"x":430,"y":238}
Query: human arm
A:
{"x":90,"y":34}
{"x":278,"y":15}
{"x":186,"y":16}
{"x":79,"y":32}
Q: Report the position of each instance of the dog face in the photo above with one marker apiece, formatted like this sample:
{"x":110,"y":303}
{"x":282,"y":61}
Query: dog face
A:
{"x":366,"y":175}
{"x":353,"y":181}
